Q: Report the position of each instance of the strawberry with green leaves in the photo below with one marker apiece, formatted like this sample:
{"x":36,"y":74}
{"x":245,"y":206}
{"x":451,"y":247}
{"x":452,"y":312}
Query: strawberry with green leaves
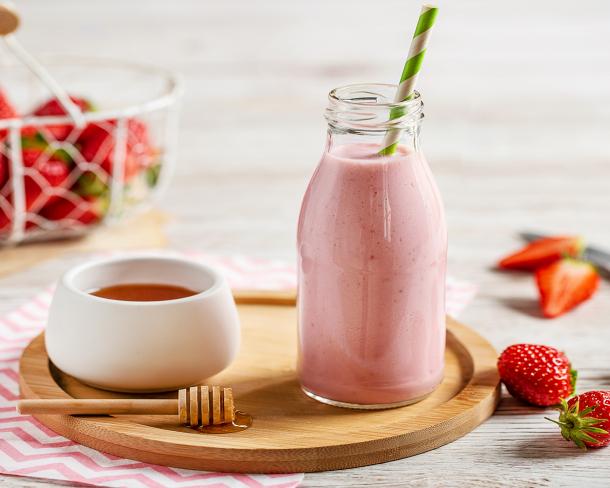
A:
{"x":585,"y":419}
{"x":565,"y":284}
{"x":537,"y":374}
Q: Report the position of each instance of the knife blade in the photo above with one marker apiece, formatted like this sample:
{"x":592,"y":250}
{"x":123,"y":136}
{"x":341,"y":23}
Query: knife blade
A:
{"x":597,"y":256}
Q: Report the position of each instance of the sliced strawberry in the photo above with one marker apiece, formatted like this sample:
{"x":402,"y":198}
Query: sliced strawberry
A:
{"x":53,"y":107}
{"x":564,"y":284}
{"x":86,"y":210}
{"x":7,"y":111}
{"x":542,"y":252}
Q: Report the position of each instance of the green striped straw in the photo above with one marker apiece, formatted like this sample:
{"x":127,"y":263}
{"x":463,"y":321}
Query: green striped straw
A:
{"x":410,"y":72}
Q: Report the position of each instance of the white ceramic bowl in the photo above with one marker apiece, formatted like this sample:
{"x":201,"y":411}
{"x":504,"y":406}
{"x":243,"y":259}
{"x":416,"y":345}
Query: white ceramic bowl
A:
{"x":142,"y":346}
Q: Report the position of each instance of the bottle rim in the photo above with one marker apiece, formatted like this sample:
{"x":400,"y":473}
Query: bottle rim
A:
{"x":370,"y":107}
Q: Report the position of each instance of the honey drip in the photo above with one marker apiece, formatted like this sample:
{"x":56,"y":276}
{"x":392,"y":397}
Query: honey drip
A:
{"x":242,"y":421}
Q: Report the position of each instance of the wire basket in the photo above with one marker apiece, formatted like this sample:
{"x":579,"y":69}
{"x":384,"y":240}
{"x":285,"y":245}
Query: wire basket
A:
{"x":59,"y":180}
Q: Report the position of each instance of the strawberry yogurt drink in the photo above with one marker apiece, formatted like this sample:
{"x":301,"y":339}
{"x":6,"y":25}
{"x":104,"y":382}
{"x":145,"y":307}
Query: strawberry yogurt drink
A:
{"x":372,"y":247}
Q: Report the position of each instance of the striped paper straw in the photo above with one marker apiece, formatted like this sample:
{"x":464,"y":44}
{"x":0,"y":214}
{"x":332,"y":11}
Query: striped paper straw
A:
{"x":410,"y":72}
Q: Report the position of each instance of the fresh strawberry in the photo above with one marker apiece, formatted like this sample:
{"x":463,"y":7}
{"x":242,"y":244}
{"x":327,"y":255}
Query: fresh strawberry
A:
{"x":3,"y":170}
{"x":542,"y":252}
{"x":536,"y":374}
{"x":86,"y":210}
{"x":50,"y":173}
{"x":45,"y":178}
{"x":5,"y":218}
{"x":585,"y":419}
{"x":564,"y":284}
{"x":53,"y":174}
{"x":53,"y":107}
{"x":7,"y":111}
{"x":97,"y":144}
{"x":5,"y":221}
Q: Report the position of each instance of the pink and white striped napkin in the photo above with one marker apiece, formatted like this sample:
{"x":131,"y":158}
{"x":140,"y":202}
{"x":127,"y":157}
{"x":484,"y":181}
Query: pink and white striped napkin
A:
{"x":28,"y":448}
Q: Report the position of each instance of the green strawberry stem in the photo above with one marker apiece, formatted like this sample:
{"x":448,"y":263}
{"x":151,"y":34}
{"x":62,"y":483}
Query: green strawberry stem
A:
{"x":577,"y":426}
{"x":38,"y":142}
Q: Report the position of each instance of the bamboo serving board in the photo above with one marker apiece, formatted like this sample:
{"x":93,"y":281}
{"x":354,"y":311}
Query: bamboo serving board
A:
{"x":290,"y":432}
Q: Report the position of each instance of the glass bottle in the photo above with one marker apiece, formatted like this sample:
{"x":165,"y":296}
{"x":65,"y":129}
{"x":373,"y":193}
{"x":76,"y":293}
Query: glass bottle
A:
{"x":372,"y":247}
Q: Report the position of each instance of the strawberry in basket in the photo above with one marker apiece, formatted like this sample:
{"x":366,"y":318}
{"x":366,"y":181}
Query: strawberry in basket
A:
{"x":48,"y":177}
{"x":89,"y":199}
{"x":79,"y":210}
{"x":45,"y":178}
{"x":50,"y":191}
{"x":7,"y":111}
{"x":86,"y":203}
{"x":3,"y":171}
{"x":53,"y":107}
{"x":98,"y":142}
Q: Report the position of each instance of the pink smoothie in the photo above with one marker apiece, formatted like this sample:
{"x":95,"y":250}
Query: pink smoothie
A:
{"x":372,"y":248}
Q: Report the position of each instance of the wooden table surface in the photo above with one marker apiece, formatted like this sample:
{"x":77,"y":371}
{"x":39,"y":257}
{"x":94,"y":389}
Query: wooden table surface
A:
{"x":518,"y":115}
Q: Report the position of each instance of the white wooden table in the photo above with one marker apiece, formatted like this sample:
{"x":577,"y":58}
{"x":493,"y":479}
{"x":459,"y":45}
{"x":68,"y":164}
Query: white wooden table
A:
{"x":518,"y":116}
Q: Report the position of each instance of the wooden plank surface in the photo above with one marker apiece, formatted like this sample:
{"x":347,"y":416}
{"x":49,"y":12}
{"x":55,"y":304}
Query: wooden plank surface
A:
{"x":518,"y":111}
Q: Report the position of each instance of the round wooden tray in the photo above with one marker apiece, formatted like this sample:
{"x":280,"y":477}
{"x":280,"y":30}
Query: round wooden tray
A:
{"x":291,"y":432}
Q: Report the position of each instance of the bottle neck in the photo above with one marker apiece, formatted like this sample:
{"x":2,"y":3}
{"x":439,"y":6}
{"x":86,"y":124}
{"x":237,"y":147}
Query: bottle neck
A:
{"x":337,"y":136}
{"x":367,"y":114}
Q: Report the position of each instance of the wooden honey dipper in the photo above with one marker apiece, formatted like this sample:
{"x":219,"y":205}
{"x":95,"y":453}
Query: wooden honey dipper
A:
{"x":196,"y":406}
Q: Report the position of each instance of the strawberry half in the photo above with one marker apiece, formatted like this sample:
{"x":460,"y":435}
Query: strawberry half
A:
{"x":565,"y":284}
{"x":542,"y":252}
{"x":53,"y":107}
{"x":585,"y":419}
{"x":536,"y":374}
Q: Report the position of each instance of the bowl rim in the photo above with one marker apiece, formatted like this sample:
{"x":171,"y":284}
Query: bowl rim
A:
{"x":218,"y":279}
{"x":172,"y":92}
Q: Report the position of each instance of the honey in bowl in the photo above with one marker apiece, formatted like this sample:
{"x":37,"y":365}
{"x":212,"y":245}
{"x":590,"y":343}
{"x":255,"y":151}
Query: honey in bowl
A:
{"x":143,"y":292}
